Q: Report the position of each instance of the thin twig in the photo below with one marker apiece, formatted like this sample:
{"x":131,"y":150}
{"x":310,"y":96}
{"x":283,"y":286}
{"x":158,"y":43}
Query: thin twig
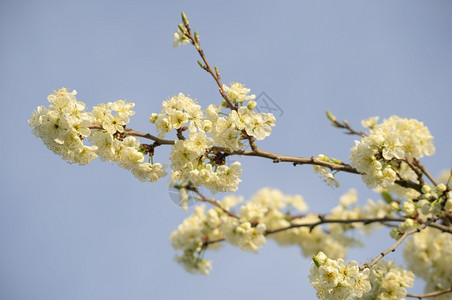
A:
{"x":276,"y":158}
{"x":322,"y":220}
{"x":346,"y":125}
{"x":211,"y":201}
{"x":432,"y":294}
{"x":131,"y":132}
{"x":207,"y":67}
{"x":415,"y":169}
{"x":396,"y":244}
{"x":424,"y":170}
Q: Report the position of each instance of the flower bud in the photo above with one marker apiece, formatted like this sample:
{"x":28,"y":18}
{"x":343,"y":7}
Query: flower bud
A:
{"x":441,"y":187}
{"x":251,"y":104}
{"x":426,"y":189}
{"x":153,"y":118}
{"x":184,"y":18}
{"x":330,"y":116}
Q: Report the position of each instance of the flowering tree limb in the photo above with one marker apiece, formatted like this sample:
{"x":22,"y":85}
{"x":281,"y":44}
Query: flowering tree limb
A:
{"x":387,"y":158}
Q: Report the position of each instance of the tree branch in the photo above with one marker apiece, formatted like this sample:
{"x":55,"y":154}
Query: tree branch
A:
{"x":396,"y":244}
{"x":424,"y":170}
{"x":215,"y":74}
{"x":432,"y":294}
{"x":211,"y":201}
{"x":322,"y":220}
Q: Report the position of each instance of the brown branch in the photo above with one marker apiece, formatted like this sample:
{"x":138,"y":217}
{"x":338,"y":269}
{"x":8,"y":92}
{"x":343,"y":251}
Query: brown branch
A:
{"x":396,"y":244}
{"x":432,"y":294}
{"x":131,"y":132}
{"x":441,"y":227}
{"x":346,"y":125}
{"x":424,"y":170}
{"x":180,"y":134}
{"x":215,"y":74}
{"x":276,"y":158}
{"x":292,"y":159}
{"x":409,"y":184}
{"x":322,"y":220}
{"x":211,"y":201}
{"x":415,"y":169}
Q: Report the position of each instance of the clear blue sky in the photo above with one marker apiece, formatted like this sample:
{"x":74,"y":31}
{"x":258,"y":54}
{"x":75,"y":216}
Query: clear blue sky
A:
{"x":95,"y":232}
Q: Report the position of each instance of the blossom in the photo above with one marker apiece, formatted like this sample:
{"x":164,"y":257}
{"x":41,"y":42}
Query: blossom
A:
{"x":64,"y":126}
{"x":147,"y":172}
{"x":180,"y":38}
{"x":370,"y":122}
{"x":388,"y":281}
{"x":237,"y":93}
{"x":332,"y":279}
{"x":427,"y":254}
{"x":243,"y":234}
{"x":378,"y":156}
{"x":327,"y":176}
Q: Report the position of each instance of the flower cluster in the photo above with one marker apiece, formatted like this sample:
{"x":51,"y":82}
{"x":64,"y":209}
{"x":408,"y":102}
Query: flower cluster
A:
{"x":348,"y":210}
{"x":179,"y":37}
{"x":379,"y":156}
{"x":228,"y":130}
{"x":246,"y":230}
{"x":195,"y":159}
{"x":190,"y":237}
{"x":64,"y":126}
{"x":271,"y":214}
{"x":429,"y":254}
{"x":177,"y":112}
{"x":433,"y":201}
{"x":332,"y":279}
{"x":388,"y":281}
{"x":328,"y":177}
{"x":113,"y":146}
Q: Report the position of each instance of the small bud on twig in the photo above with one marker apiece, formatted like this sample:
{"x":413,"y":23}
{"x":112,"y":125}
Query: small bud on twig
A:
{"x":182,"y":28}
{"x":386,"y":196}
{"x":196,"y":37}
{"x":337,"y":161}
{"x":201,"y":64}
{"x":184,"y":19}
{"x":330,"y":116}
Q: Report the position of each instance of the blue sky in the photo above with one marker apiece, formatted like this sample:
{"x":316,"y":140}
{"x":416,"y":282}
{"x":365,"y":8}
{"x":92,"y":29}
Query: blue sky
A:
{"x":95,"y":232}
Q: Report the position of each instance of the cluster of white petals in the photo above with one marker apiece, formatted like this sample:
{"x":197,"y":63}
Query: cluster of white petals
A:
{"x":125,"y":151}
{"x":64,"y":126}
{"x":332,"y":279}
{"x":238,"y":93}
{"x":379,"y":156}
{"x":327,"y":176}
{"x":348,"y":210}
{"x":194,"y":161}
{"x":429,"y":254}
{"x":388,"y":281}
{"x":177,"y":112}
{"x":228,"y":129}
{"x":246,"y":230}
{"x":191,"y":235}
{"x":179,"y":37}
{"x":269,"y":211}
{"x":433,"y":201}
